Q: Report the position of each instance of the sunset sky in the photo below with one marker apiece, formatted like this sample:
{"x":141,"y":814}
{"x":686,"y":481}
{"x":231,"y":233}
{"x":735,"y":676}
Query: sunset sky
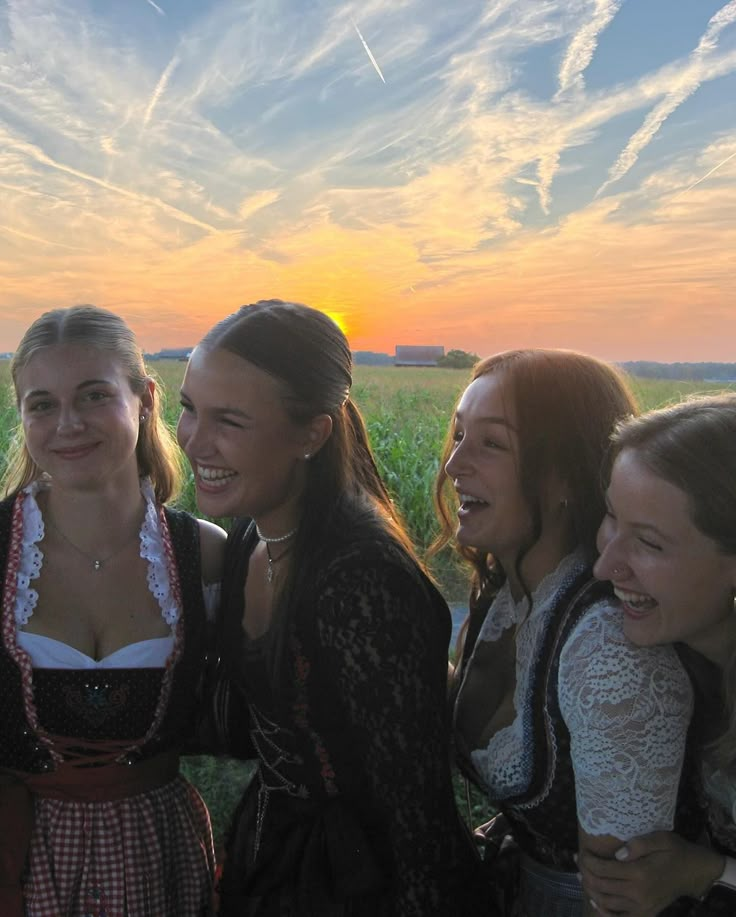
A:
{"x":481,"y":174}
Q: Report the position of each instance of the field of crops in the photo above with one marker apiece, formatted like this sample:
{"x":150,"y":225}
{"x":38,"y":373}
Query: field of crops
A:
{"x":407,"y":413}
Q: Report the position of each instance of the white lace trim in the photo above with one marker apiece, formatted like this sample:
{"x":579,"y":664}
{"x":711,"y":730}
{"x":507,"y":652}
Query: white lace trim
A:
{"x":31,"y":556}
{"x":506,"y":763}
{"x":627,"y":710}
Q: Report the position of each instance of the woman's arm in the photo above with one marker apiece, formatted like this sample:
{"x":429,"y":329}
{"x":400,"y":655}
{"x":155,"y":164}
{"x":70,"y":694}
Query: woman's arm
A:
{"x":648,"y":874}
{"x":627,"y":710}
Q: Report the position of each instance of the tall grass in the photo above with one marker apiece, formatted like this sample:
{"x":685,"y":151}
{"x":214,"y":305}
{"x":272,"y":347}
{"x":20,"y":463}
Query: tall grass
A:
{"x":407,"y":412}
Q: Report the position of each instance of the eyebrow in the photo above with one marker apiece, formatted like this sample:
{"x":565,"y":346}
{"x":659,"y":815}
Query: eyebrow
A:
{"x":238,"y":412}
{"x":86,"y":384}
{"x":642,"y":526}
{"x":490,"y":419}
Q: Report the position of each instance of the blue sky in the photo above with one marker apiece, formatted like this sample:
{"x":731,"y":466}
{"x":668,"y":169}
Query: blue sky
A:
{"x":477,"y":174}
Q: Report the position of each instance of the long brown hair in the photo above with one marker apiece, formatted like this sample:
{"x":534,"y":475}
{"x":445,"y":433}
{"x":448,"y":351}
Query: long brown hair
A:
{"x":156,"y":451}
{"x":566,"y":406}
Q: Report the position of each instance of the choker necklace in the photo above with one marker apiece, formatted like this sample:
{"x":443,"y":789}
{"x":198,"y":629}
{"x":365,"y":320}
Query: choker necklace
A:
{"x":277,"y":540}
{"x":97,"y":562}
{"x":270,"y":573}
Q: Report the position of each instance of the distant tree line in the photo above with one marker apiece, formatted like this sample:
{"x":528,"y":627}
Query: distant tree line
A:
{"x":696,"y":372}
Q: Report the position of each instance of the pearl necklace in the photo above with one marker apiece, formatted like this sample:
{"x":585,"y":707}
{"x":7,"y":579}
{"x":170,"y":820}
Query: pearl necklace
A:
{"x":268,"y":541}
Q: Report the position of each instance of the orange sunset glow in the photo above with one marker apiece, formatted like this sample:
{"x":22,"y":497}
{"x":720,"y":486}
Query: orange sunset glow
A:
{"x":498,"y":175}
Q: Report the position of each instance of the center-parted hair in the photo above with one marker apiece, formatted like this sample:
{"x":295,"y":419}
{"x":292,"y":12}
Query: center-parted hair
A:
{"x":89,"y":326}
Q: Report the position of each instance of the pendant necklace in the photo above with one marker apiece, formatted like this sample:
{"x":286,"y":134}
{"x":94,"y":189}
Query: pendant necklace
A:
{"x":268,"y":541}
{"x":97,"y":562}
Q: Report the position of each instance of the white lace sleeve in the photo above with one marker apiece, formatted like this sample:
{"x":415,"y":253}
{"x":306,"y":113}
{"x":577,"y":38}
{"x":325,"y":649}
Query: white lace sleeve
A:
{"x":627,"y":709}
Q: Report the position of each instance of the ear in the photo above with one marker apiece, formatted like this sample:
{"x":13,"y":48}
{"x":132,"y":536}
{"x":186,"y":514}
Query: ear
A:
{"x":148,"y":395}
{"x":319,"y":430}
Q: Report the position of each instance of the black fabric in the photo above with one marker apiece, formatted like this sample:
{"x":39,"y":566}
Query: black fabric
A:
{"x":543,"y":820}
{"x":21,"y":749}
{"x":352,"y":810}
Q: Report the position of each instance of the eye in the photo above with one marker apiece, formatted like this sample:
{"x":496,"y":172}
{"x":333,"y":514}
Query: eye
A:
{"x":229,"y":422}
{"x":650,"y":544}
{"x":186,"y":405}
{"x":96,"y":396}
{"x":38,"y":407}
{"x":492,"y":444}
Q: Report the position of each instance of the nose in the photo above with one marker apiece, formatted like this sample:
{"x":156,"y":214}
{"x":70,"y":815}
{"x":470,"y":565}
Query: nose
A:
{"x":458,"y":461}
{"x":69,"y":420}
{"x":611,"y":564}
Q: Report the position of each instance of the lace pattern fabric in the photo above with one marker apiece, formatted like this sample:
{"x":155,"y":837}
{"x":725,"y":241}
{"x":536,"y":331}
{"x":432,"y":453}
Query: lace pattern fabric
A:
{"x":627,"y":710}
{"x":152,"y":551}
{"x":506,"y":764}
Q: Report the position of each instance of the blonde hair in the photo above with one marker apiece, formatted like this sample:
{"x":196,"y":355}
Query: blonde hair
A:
{"x":156,"y":451}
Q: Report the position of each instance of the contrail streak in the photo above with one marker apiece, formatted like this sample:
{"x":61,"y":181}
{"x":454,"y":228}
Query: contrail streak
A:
{"x":707,"y":175}
{"x":156,"y":7}
{"x":688,"y":83}
{"x":160,"y":88}
{"x":368,"y":52}
{"x":582,"y":47}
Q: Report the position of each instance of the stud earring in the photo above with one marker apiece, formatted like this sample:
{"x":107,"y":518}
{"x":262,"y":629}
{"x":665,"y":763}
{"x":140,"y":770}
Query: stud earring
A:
{"x":143,"y":418}
{"x":307,"y":456}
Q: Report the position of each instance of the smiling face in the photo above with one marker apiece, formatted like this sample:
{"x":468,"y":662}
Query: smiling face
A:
{"x":246,"y":453}
{"x":483,"y":465}
{"x":674,"y":583}
{"x":80,"y":418}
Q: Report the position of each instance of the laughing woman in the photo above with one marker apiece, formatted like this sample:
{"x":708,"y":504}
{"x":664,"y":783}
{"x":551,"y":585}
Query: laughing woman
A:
{"x":101,"y":647}
{"x":577,"y":736}
{"x":668,"y":545}
{"x":332,"y":639}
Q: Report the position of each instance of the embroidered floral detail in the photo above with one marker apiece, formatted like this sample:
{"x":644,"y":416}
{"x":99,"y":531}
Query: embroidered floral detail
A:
{"x":300,"y":707}
{"x":31,"y":556}
{"x":153,"y":549}
{"x":9,"y":626}
{"x":24,"y":563}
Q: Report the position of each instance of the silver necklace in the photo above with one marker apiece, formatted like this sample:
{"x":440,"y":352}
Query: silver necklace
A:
{"x":270,"y":572}
{"x":97,"y":562}
{"x":268,"y":541}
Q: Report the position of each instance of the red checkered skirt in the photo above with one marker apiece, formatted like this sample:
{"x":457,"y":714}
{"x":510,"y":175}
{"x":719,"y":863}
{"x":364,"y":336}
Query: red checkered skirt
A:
{"x":148,"y":855}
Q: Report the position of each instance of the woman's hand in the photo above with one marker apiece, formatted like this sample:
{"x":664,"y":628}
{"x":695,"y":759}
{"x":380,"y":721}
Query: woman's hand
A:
{"x":647,"y":874}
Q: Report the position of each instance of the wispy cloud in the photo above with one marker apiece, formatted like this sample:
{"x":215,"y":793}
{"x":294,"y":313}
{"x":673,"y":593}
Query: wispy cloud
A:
{"x":689,"y":81}
{"x":583,"y":44}
{"x":160,"y":89}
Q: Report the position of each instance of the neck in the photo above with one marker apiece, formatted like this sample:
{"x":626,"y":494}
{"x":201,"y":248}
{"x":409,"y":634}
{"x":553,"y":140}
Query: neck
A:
{"x":96,"y":513}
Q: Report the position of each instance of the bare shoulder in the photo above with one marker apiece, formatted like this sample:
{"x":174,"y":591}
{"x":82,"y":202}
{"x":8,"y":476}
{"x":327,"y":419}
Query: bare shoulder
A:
{"x":212,"y":540}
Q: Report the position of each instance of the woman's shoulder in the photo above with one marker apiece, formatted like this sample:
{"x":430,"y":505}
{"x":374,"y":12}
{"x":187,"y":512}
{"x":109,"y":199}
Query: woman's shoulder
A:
{"x":597,"y":646}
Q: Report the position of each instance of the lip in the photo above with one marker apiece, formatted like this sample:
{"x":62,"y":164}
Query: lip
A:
{"x":631,"y":611}
{"x":72,"y":453}
{"x":216,"y":483}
